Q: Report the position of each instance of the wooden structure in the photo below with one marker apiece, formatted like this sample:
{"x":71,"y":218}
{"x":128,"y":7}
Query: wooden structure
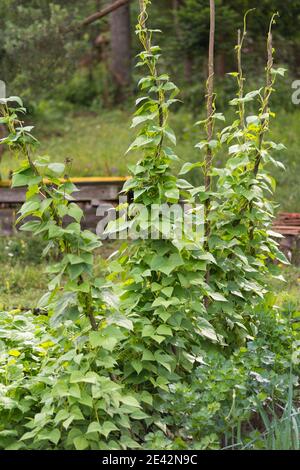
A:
{"x":288,"y":224}
{"x":93,"y":192}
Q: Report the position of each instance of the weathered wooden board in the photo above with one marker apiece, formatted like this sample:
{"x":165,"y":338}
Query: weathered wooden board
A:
{"x":105,"y":189}
{"x":288,"y":223}
{"x":93,"y":192}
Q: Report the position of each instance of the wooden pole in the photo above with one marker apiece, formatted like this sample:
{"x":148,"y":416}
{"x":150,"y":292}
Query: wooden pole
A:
{"x":210,"y":111}
{"x":210,"y":130}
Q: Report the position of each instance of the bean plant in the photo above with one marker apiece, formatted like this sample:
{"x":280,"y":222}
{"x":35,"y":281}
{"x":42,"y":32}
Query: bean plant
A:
{"x":163,"y":279}
{"x":74,"y":384}
{"x":241,"y":209}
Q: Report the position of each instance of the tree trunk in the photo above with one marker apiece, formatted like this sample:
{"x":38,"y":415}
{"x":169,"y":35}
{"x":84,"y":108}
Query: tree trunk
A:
{"x":120,"y":63}
{"x":188,"y":68}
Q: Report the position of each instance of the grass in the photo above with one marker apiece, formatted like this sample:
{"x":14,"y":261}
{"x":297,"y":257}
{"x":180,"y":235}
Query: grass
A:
{"x":97,"y":144}
{"x":21,"y":286}
{"x":288,"y":293}
{"x":22,"y":276}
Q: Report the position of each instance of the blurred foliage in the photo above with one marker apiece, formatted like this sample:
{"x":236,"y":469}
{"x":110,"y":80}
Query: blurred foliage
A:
{"x":194,"y":23}
{"x":42,"y":46}
{"x":44,"y":55}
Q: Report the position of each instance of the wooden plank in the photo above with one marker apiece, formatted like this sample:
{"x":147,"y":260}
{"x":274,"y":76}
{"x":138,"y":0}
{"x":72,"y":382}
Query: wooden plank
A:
{"x":12,"y":196}
{"x":88,"y":191}
{"x":287,"y":231}
{"x":93,"y":192}
{"x":288,"y":223}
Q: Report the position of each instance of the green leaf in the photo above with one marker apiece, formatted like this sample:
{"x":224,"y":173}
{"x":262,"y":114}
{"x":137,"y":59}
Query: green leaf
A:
{"x":55,"y":231}
{"x":148,"y":330}
{"x":29,"y":207}
{"x":167,"y":291}
{"x":78,"y":376}
{"x":140,"y":141}
{"x":13,"y":99}
{"x":219,"y":116}
{"x":80,"y":443}
{"x":19,"y":180}
{"x":166,"y":265}
{"x":76,"y":270}
{"x":279,"y":71}
{"x":189,"y":166}
{"x":137,"y":365}
{"x":74,"y":259}
{"x":75,"y":211}
{"x":170,"y":135}
{"x":172,"y":194}
{"x":205,"y":329}
{"x":164,"y":330}
{"x":94,"y":427}
{"x":146,"y":397}
{"x":54,"y":436}
{"x":281,"y":257}
{"x":107,"y":428}
{"x":142,"y":118}
{"x":148,"y":355}
{"x":213,"y":144}
{"x":139,"y":414}
{"x":130,"y":401}
{"x":253,"y":120}
{"x":218,"y":297}
{"x":57,"y":168}
{"x":30,"y":226}
{"x":98,"y":339}
{"x":248,"y":97}
{"x":207,"y":257}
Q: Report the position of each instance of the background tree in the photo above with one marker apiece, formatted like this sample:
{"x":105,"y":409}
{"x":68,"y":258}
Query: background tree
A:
{"x":120,"y":41}
{"x":68,"y":50}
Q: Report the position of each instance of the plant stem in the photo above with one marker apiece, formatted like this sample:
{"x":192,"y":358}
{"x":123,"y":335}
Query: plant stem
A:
{"x":145,"y":39}
{"x":241,"y":78}
{"x":264,"y":110}
{"x":267,"y":95}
